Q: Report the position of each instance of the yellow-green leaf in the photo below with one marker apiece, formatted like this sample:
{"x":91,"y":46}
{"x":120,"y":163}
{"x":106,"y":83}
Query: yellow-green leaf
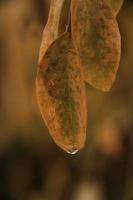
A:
{"x":115,"y":5}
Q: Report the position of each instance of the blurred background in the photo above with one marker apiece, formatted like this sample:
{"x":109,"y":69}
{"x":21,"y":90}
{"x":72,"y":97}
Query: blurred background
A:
{"x":32,"y":167}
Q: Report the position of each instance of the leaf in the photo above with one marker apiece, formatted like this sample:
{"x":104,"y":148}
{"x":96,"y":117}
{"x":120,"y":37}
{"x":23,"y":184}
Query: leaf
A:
{"x":96,"y":36}
{"x":56,"y":24}
{"x":61,"y":94}
{"x":115,"y":5}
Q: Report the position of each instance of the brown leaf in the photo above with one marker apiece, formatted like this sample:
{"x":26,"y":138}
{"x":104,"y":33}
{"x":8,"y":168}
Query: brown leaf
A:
{"x":56,"y":24}
{"x":96,"y":36}
{"x":61,"y":94}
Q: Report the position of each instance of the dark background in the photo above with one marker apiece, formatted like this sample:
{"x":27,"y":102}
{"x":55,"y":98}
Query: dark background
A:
{"x":32,"y":167}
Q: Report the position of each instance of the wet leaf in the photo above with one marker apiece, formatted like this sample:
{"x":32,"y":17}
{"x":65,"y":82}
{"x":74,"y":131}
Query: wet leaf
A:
{"x":61,"y":94}
{"x":96,"y":36}
{"x":115,"y":5}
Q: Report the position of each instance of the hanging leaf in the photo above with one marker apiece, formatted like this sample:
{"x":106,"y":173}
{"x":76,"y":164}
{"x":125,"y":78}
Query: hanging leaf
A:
{"x":115,"y":5}
{"x":56,"y":24}
{"x":96,"y":36}
{"x":61,"y":94}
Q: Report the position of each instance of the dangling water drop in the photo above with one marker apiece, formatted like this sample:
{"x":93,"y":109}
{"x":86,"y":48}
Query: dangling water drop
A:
{"x":72,"y":150}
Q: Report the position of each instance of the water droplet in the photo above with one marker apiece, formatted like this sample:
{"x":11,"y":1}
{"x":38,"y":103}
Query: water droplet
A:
{"x":72,"y":150}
